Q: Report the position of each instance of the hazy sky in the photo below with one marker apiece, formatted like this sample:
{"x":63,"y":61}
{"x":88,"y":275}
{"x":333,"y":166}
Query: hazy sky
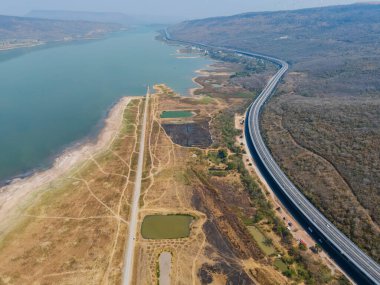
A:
{"x":181,"y":8}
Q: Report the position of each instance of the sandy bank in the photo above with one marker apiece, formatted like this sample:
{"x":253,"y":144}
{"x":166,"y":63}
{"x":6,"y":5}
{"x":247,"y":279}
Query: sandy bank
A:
{"x":12,"y":47}
{"x":15,"y":195}
{"x":200,"y":73}
{"x":212,"y":70}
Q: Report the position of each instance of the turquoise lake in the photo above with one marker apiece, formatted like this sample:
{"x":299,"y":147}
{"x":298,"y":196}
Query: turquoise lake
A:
{"x":52,"y":97}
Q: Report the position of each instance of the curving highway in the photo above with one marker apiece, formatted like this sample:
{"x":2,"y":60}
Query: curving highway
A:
{"x":343,"y":244}
{"x":362,"y":263}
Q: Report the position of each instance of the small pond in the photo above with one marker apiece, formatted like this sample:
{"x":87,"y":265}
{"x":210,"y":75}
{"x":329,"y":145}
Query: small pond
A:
{"x":176,"y":114}
{"x":166,"y":226}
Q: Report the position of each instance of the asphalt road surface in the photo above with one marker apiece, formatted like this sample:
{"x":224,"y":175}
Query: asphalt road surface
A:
{"x":343,"y":246}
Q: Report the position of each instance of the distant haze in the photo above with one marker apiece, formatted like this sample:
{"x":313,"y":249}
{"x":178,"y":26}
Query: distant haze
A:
{"x":175,"y":9}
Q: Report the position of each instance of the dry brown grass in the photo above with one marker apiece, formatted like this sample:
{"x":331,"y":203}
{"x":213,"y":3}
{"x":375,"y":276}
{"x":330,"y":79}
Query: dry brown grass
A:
{"x":171,"y":187}
{"x":74,"y":233}
{"x":328,"y":147}
{"x":167,"y":191}
{"x":324,"y":128}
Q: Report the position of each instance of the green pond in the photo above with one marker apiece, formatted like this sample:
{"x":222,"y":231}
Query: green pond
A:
{"x":166,"y":226}
{"x":260,"y":239}
{"x":53,"y":96}
{"x":176,"y":114}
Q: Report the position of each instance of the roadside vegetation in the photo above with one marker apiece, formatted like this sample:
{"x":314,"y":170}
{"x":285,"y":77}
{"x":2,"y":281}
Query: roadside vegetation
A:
{"x":242,"y":200}
{"x":323,"y":125}
{"x":338,"y":176}
{"x":228,"y":187}
{"x":300,"y":265}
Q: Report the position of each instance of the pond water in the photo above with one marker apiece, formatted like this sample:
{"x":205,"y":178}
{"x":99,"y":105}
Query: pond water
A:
{"x":176,"y":114}
{"x":166,"y":226}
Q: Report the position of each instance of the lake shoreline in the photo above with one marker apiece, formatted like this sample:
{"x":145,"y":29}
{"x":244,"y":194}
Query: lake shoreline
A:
{"x":22,"y":46}
{"x":61,"y":41}
{"x":88,"y":139}
{"x":112,"y":65}
{"x":208,"y":71}
{"x":17,"y":192}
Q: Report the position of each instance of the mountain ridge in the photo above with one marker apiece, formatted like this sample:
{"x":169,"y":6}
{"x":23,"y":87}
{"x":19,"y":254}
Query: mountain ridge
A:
{"x":21,"y":28}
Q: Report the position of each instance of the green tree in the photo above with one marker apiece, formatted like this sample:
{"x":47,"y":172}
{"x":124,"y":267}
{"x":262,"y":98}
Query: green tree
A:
{"x":222,"y":155}
{"x":302,"y":246}
{"x":268,"y":242}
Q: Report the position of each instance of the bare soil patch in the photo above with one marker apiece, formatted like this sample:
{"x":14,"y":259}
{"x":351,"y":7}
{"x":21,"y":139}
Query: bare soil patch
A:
{"x":74,"y":230}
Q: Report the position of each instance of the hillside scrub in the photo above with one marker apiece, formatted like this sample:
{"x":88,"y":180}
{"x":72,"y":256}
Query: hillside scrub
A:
{"x":323,"y":124}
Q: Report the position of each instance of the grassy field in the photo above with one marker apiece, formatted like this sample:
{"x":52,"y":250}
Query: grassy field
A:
{"x":323,"y":124}
{"x":264,"y":244}
{"x":74,"y":230}
{"x":174,"y":184}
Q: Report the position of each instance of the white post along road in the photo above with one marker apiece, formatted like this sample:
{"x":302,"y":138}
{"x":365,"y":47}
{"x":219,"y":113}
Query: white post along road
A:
{"x":134,"y":212}
{"x":346,"y":248}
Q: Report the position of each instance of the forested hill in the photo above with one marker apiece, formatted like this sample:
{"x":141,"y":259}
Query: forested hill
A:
{"x":291,"y":35}
{"x":103,"y":17}
{"x":21,"y":28}
{"x":100,"y":17}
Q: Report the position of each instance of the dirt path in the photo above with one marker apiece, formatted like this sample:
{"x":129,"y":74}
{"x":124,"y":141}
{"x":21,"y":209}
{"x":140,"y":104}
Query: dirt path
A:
{"x":165,"y":267}
{"x":121,"y":200}
{"x":130,"y":252}
{"x":14,"y":197}
{"x":296,"y":230}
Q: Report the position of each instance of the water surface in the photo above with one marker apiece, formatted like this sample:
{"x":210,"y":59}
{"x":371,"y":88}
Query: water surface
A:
{"x":176,"y":114}
{"x":166,"y":226}
{"x":53,"y":97}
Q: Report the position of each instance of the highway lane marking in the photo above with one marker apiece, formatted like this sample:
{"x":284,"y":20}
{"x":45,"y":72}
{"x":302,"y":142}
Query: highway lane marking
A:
{"x":306,"y":207}
{"x":369,"y":267}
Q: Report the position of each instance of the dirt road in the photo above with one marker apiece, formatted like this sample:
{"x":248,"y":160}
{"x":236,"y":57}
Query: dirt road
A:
{"x":129,"y":255}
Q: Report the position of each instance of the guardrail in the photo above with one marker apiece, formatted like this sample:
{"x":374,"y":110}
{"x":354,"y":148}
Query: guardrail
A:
{"x":347,"y":249}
